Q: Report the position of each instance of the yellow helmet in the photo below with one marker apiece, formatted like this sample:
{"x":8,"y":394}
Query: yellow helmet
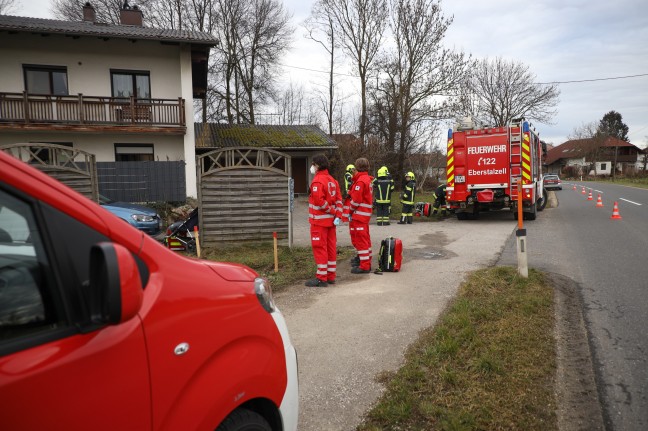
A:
{"x":383,"y":172}
{"x":410,"y":174}
{"x":349,"y":167}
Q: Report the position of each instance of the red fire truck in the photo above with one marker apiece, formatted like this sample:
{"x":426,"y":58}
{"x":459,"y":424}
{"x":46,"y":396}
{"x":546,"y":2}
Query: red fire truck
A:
{"x":485,"y":165}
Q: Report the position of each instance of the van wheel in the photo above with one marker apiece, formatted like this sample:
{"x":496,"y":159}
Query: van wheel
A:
{"x":244,"y":420}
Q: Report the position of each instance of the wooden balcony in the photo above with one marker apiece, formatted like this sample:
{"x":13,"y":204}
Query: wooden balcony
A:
{"x":23,"y":111}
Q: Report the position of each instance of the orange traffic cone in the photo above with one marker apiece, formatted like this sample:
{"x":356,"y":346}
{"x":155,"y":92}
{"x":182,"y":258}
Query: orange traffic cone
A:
{"x":599,"y":202}
{"x":615,"y":212}
{"x":583,"y":192}
{"x":590,"y":198}
{"x":574,"y":188}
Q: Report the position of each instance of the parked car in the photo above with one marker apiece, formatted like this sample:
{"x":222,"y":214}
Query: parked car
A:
{"x":139,"y":216}
{"x":104,"y":328}
{"x":552,"y":182}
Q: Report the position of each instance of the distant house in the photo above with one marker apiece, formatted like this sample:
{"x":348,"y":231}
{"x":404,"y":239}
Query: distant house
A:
{"x":301,"y":143}
{"x":120,"y":92}
{"x":593,"y":157}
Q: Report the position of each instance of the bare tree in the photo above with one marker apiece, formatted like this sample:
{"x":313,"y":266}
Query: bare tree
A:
{"x":321,"y":27}
{"x":416,"y":69}
{"x":7,"y":7}
{"x":361,"y":24}
{"x":500,"y":90}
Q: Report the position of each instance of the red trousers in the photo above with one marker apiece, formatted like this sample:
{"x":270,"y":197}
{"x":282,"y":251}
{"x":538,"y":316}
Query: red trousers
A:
{"x":362,"y":242}
{"x":324,"y":242}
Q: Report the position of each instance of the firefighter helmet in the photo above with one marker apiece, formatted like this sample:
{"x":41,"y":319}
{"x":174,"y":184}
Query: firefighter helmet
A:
{"x":410,"y":174}
{"x":349,"y":167}
{"x":383,"y":172}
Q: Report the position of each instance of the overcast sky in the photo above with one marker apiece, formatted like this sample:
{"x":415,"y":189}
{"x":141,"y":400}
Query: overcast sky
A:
{"x":560,"y":40}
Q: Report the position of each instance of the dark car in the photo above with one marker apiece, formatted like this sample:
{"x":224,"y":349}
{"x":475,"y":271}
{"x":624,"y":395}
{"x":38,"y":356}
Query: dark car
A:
{"x":552,"y":182}
{"x":141,"y":217}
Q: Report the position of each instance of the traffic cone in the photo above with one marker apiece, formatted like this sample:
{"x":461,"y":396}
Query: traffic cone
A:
{"x":574,"y":188}
{"x":584,"y":192}
{"x":599,"y":202}
{"x":590,"y":198}
{"x":615,"y":212}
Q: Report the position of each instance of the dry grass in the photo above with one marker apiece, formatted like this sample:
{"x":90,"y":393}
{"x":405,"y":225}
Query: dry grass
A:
{"x":487,"y":365}
{"x":295,"y":265}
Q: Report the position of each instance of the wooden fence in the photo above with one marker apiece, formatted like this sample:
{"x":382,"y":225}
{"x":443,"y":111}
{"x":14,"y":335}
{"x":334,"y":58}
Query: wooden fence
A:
{"x":244,"y":194}
{"x":72,"y":167}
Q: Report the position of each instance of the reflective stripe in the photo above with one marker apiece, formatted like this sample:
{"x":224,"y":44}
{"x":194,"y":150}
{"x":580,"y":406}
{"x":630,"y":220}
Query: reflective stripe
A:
{"x":332,"y":270}
{"x":363,"y":213}
{"x":321,"y":265}
{"x":321,"y":272}
{"x":366,"y":206}
{"x":359,"y":228}
{"x":363,"y":251}
{"x":331,"y":263}
{"x":320,"y":217}
{"x":311,"y":206}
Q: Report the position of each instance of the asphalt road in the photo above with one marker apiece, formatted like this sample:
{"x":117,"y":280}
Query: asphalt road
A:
{"x":608,"y":260}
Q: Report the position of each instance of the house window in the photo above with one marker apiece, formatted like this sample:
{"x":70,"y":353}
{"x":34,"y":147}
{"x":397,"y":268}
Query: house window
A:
{"x":46,"y":80}
{"x":134,"y":152}
{"x":603,"y":166}
{"x":130,"y":83}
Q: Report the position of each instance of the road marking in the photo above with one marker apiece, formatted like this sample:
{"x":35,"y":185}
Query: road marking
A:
{"x":636,"y":203}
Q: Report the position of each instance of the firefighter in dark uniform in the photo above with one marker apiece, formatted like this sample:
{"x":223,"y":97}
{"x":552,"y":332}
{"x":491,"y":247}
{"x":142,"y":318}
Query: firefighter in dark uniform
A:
{"x":383,"y":187}
{"x":407,"y":199}
{"x":439,"y":200}
{"x":348,"y":179}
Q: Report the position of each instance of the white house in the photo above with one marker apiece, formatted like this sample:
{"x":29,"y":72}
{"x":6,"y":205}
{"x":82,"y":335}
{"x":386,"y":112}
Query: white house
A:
{"x":122,"y":92}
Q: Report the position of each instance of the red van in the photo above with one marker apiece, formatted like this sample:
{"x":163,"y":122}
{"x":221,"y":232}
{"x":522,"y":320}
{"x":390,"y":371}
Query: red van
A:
{"x":103,"y":328}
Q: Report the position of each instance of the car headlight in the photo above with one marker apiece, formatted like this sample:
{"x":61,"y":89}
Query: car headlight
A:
{"x":263,"y":292}
{"x":142,"y":218}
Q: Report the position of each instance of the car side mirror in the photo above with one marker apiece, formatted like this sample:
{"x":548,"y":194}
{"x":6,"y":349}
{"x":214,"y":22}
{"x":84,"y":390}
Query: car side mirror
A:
{"x":115,"y":284}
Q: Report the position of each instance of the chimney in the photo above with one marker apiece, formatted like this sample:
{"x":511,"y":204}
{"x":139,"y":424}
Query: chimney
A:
{"x":89,"y":14}
{"x":130,"y":15}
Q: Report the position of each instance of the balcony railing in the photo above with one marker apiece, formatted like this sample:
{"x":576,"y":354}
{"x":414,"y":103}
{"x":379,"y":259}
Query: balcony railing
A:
{"x":27,"y":108}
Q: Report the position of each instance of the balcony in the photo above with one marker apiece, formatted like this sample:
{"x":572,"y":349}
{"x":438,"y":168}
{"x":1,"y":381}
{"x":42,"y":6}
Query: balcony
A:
{"x":29,"y":112}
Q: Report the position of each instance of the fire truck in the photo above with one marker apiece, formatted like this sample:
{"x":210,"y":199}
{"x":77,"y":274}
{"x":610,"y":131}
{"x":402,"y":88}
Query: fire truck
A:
{"x":486,"y":165}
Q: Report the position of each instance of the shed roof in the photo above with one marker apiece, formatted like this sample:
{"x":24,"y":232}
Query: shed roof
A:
{"x":217,"y":135}
{"x":85,"y":28}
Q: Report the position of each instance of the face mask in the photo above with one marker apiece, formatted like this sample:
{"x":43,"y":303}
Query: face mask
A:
{"x":313,"y":170}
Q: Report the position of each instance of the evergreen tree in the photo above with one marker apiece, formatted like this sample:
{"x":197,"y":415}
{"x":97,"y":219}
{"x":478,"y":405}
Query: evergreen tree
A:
{"x":612,"y":125}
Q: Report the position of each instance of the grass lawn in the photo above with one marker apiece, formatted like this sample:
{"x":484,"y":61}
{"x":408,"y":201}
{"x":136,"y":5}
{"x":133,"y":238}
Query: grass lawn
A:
{"x":488,"y":364}
{"x":295,"y":265}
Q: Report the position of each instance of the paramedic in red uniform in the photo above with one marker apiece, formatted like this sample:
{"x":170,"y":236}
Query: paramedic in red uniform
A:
{"x":324,"y":213}
{"x":360,"y":206}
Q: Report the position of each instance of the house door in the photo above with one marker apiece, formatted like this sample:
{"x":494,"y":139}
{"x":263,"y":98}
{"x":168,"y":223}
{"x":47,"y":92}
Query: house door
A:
{"x":299,"y":171}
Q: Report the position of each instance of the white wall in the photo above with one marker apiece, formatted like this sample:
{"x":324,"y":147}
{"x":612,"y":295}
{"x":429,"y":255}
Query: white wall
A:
{"x":103,"y":146}
{"x":88,"y":61}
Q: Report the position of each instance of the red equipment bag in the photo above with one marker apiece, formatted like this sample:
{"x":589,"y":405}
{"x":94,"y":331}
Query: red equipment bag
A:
{"x":390,"y":257}
{"x":427,"y":209}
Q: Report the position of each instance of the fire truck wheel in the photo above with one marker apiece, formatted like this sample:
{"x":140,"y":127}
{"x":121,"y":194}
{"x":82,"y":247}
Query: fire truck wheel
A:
{"x":531,"y":215}
{"x":542,"y":203}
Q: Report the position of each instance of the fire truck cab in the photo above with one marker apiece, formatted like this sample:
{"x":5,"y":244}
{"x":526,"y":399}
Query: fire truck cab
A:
{"x":485,"y":167}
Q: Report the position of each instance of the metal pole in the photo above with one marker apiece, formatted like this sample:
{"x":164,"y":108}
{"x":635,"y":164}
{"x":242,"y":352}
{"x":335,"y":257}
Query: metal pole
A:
{"x":520,"y":234}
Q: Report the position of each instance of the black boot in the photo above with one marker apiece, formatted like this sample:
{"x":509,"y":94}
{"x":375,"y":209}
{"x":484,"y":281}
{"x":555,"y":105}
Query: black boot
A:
{"x":402,"y":220}
{"x":410,"y":219}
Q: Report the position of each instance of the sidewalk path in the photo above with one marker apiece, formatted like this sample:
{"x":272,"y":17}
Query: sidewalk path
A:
{"x":348,"y":333}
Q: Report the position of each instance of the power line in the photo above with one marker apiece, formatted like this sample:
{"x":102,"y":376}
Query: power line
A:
{"x":592,"y":80}
{"x":538,"y":83}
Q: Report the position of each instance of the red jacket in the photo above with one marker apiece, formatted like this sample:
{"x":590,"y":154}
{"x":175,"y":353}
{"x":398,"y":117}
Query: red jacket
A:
{"x":359,"y":205}
{"x":325,"y":200}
